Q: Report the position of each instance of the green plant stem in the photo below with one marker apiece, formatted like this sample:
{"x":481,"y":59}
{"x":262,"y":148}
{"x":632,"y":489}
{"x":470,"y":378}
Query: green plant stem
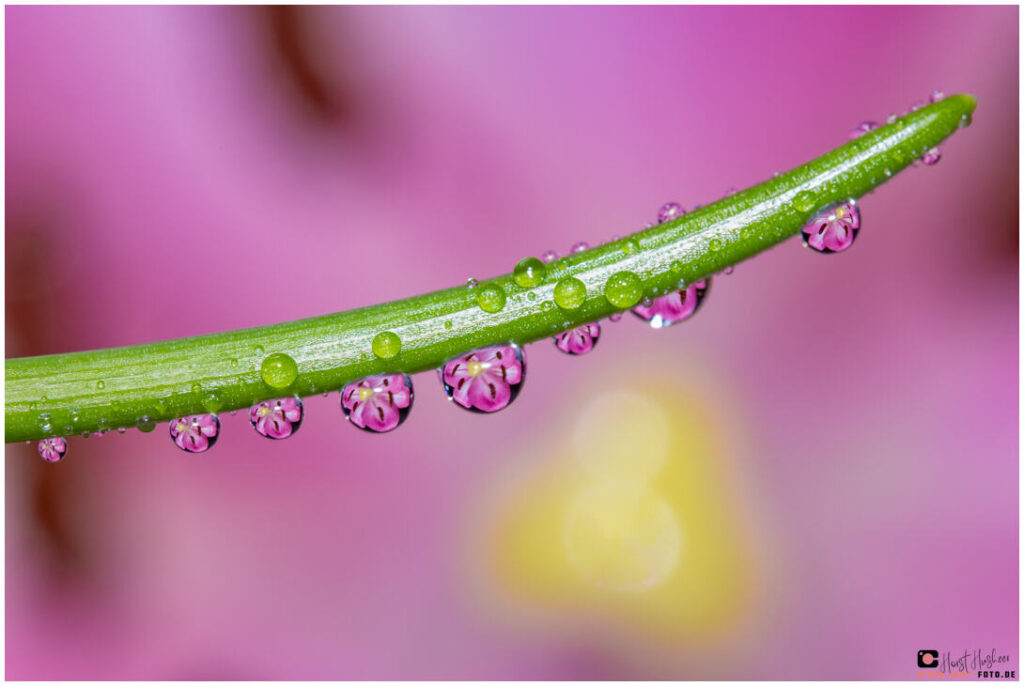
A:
{"x":98,"y":390}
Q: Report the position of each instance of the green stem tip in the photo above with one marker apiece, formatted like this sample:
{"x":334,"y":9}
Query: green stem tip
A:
{"x":94,"y":391}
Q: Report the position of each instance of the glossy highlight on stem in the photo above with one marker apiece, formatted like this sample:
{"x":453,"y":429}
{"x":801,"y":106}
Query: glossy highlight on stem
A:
{"x":119,"y":387}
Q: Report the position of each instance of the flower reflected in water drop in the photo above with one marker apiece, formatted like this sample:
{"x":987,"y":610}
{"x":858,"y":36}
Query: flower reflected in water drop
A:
{"x":53,"y":449}
{"x":834,"y":229}
{"x":278,"y":418}
{"x":485,"y":380}
{"x":196,"y":433}
{"x":580,"y":340}
{"x":675,"y":307}
{"x":377,"y":403}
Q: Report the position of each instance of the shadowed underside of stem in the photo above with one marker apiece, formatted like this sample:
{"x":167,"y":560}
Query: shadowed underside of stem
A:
{"x":93,"y":391}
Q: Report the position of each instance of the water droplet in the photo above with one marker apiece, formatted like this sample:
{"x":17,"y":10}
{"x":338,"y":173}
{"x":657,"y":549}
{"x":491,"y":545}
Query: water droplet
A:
{"x":278,"y":370}
{"x":729,"y":270}
{"x":44,"y":422}
{"x":491,"y":298}
{"x":212,"y":401}
{"x":615,"y":317}
{"x":531,"y":296}
{"x":276,"y":419}
{"x":448,"y":324}
{"x":675,"y":307}
{"x":804,"y":201}
{"x":932,"y":156}
{"x":233,"y":362}
{"x":377,"y":403}
{"x":472,"y":283}
{"x":623,"y":289}
{"x":53,"y":449}
{"x":121,"y":430}
{"x":570,"y":293}
{"x":195,"y":433}
{"x":196,"y":388}
{"x":386,"y":345}
{"x":547,"y":306}
{"x":529,"y":272}
{"x":966,"y":120}
{"x":630,"y":246}
{"x":581,"y":246}
{"x":100,"y":385}
{"x":891,"y":118}
{"x":549,"y":257}
{"x":715,"y":244}
{"x":834,"y":229}
{"x":670,"y":211}
{"x":145,"y":424}
{"x":257,"y":349}
{"x":916,"y":106}
{"x":485,"y":380}
{"x":936,"y":96}
{"x":580,"y":340}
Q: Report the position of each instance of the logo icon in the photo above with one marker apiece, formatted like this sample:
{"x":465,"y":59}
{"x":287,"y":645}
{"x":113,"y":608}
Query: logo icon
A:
{"x":928,"y":659}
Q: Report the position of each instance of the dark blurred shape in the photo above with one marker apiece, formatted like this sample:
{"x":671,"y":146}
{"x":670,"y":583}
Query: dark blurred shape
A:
{"x":298,"y":55}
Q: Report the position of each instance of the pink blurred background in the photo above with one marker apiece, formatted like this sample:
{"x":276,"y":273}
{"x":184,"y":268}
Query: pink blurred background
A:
{"x":268,"y":162}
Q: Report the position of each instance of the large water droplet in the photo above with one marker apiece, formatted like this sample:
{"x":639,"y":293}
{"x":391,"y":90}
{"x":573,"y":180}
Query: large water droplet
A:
{"x":278,"y":370}
{"x":386,"y":345}
{"x":623,"y":289}
{"x":53,"y":449}
{"x":529,"y":272}
{"x":675,"y":307}
{"x":485,"y":380}
{"x":670,"y":211}
{"x":579,"y":340}
{"x":276,"y":419}
{"x":377,"y":403}
{"x":570,"y":293}
{"x":491,"y":298}
{"x":834,"y":229}
{"x":195,"y":433}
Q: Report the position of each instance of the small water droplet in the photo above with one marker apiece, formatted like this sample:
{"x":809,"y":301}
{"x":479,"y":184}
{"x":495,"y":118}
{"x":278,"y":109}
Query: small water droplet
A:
{"x":834,"y":229}
{"x":966,"y":120}
{"x":531,"y":296}
{"x":630,"y":246}
{"x":804,"y":201}
{"x":145,"y":424}
{"x":670,"y":211}
{"x":258,"y":350}
{"x":277,"y":419}
{"x":196,"y":388}
{"x":485,"y":380}
{"x":386,"y":345}
{"x":675,"y":307}
{"x":278,"y":370}
{"x":52,"y":449}
{"x":936,"y":96}
{"x":580,"y":340}
{"x":549,"y":257}
{"x":623,"y":289}
{"x":715,"y":244}
{"x":448,"y":324}
{"x":570,"y":293}
{"x":580,"y":246}
{"x":472,"y":283}
{"x":491,"y":298}
{"x":212,"y":401}
{"x":121,"y":430}
{"x":377,"y":403}
{"x":729,"y":270}
{"x":233,"y":362}
{"x":195,"y":433}
{"x":891,"y":118}
{"x":529,"y":272}
{"x":44,"y":422}
{"x":547,"y":306}
{"x":932,"y":156}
